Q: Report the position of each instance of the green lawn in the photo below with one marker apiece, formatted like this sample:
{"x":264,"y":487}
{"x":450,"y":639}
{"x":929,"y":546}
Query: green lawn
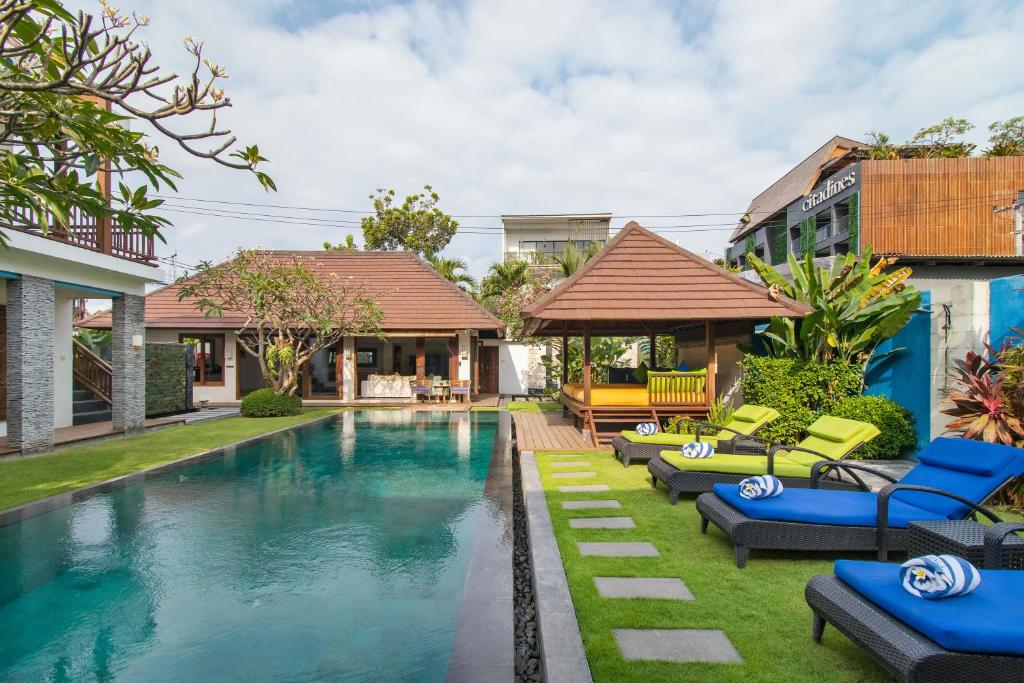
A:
{"x":534,"y":407}
{"x":761,"y":608}
{"x":26,"y":479}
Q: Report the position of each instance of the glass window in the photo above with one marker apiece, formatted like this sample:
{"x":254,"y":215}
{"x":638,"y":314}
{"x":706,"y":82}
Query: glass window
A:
{"x":367,"y":358}
{"x":209,"y":350}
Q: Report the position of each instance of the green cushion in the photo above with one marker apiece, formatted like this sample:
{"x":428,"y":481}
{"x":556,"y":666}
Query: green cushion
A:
{"x":727,"y":463}
{"x":836,"y":429}
{"x":751,"y":413}
{"x":663,"y":439}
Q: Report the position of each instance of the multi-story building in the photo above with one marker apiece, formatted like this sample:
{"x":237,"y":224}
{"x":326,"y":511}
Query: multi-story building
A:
{"x":42,"y":276}
{"x":539,"y":238}
{"x":955,"y":221}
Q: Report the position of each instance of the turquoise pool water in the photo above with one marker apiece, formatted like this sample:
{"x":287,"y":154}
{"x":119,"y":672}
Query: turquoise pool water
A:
{"x":336,"y":551}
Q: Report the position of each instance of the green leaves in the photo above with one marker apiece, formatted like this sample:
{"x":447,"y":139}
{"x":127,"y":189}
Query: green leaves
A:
{"x":857,"y":307}
{"x":417,"y":225}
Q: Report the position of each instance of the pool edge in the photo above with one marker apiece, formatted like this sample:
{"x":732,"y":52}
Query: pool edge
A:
{"x":42,"y":506}
{"x":484,"y":645}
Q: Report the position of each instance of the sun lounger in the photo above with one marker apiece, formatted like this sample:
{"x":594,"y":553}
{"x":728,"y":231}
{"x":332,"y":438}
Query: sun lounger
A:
{"x":952,"y":478}
{"x":975,"y":637}
{"x":829,"y":439}
{"x":736,"y":435}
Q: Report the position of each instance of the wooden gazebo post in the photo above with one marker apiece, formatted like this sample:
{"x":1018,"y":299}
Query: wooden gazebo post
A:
{"x":652,"y":354}
{"x":586,"y":363}
{"x":709,"y":341}
{"x":565,"y":353}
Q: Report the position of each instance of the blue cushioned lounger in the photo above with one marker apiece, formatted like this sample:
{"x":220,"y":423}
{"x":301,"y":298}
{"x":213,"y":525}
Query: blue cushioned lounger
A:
{"x":952,"y":478}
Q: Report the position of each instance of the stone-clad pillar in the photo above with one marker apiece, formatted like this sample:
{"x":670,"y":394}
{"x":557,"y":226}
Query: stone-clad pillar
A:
{"x":128,"y":361}
{"x":30,"y":318}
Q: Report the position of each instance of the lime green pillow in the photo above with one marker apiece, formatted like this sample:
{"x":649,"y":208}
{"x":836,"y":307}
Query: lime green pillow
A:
{"x":749,"y":412}
{"x":837,"y":429}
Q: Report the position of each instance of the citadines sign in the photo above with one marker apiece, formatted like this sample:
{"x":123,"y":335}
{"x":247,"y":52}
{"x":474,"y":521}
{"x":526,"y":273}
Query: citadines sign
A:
{"x":830,"y":189}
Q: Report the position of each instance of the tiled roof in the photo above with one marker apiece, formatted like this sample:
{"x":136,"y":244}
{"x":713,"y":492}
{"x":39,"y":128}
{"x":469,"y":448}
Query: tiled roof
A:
{"x":642,"y":281}
{"x":410,"y":293}
{"x":792,"y":185}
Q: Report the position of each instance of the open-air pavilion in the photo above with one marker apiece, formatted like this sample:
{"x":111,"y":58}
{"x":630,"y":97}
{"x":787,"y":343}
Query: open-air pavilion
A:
{"x":642,"y":285}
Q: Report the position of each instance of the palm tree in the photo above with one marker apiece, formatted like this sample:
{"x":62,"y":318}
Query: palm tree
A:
{"x":453,"y":270}
{"x":573,"y":258}
{"x":505,"y":276}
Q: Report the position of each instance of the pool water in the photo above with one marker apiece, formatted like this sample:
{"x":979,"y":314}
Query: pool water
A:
{"x":336,"y":551}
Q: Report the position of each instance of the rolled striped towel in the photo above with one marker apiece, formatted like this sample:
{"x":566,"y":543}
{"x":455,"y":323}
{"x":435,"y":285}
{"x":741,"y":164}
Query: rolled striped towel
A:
{"x":697,"y":449}
{"x":934,"y":577}
{"x":763,"y":486}
{"x":646,"y":428}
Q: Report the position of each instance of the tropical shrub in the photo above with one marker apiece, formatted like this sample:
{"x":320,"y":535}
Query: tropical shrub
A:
{"x":857,"y":306}
{"x":800,"y":390}
{"x":893,"y":420}
{"x":604,"y":353}
{"x":268,"y":403}
{"x":719,"y":413}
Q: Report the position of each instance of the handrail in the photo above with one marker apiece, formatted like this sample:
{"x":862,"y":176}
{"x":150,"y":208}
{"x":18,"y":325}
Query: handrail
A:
{"x":677,"y":388}
{"x":92,"y":371}
{"x":83,"y":230}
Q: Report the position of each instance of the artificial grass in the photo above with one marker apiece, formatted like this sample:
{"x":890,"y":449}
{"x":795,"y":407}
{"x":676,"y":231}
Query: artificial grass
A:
{"x":71,"y":467}
{"x":535,"y":407}
{"x":761,"y":608}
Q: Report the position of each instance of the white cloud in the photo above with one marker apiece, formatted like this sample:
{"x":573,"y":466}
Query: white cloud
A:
{"x":520,"y":106}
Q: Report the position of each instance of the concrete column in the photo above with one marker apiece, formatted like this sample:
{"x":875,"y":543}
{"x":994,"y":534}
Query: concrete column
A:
{"x":30,"y":344}
{"x":348,"y":369}
{"x":128,"y":360}
{"x":465,"y":368}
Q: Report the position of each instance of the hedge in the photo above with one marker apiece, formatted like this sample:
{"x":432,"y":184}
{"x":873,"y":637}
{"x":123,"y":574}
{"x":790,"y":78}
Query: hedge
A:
{"x":895,"y":422}
{"x":267,"y":403}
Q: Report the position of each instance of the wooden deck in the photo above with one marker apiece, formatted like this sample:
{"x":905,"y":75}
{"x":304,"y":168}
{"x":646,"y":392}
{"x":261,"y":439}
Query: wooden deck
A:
{"x":548,"y":432}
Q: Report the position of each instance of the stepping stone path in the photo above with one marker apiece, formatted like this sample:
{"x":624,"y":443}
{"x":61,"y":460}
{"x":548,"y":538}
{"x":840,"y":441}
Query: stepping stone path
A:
{"x":589,"y":504}
{"x":676,"y":645}
{"x":620,"y":549}
{"x":602,"y":523}
{"x":573,"y":463}
{"x":624,"y":587}
{"x":572,"y":475}
{"x":564,"y":455}
{"x":583,"y":488}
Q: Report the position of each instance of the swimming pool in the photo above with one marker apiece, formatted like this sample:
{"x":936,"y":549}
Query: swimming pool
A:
{"x":336,"y":551}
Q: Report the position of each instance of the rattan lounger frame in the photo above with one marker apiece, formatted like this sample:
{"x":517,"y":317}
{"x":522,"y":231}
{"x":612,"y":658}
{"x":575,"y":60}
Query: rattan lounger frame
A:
{"x":631,"y":451}
{"x":904,"y":652}
{"x":749,"y":534}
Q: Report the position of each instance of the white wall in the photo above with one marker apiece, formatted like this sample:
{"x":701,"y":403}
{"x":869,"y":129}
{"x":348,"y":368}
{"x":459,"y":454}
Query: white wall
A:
{"x":519,"y":366}
{"x":63,"y":377}
{"x":465,"y":366}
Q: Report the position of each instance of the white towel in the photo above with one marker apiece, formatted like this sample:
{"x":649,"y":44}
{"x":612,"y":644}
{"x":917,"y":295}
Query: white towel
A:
{"x":934,"y":577}
{"x":697,"y":449}
{"x":763,"y":486}
{"x":646,"y":428}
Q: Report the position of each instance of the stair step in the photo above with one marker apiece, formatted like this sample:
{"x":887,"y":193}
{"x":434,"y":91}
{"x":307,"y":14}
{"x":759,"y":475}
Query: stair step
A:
{"x":83,"y":395}
{"x":89,"y":405}
{"x":90,"y":417}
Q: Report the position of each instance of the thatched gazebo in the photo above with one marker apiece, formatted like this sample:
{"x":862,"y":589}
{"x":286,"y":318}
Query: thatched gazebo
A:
{"x":641,"y":284}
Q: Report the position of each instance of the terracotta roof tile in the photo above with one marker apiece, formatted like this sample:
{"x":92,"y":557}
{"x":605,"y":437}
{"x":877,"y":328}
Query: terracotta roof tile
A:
{"x":412,"y":295}
{"x":640,"y":278}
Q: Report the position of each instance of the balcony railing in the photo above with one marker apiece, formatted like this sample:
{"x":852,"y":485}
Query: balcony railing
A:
{"x":99,"y":235}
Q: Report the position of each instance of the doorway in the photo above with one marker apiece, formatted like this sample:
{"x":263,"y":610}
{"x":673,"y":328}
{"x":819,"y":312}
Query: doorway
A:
{"x":489,"y":370}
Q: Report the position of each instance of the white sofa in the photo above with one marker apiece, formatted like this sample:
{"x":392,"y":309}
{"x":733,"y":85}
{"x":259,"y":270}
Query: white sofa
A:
{"x":386,"y":386}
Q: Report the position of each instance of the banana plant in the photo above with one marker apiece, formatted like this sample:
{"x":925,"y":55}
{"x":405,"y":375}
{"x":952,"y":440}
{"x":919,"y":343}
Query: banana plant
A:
{"x":857,"y":306}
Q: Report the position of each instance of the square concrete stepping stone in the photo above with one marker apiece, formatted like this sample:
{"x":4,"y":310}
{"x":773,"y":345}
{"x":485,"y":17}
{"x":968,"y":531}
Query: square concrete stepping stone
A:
{"x":623,"y":549}
{"x":658,"y":589}
{"x":571,"y":463}
{"x":590,"y":504}
{"x":565,"y":455}
{"x":602,"y":523}
{"x":583,"y":488}
{"x":676,"y":645}
{"x":572,"y":475}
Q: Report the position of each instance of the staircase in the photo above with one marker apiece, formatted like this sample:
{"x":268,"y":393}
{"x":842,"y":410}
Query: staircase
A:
{"x":604,"y":424}
{"x":87,"y":407}
{"x":92,"y":388}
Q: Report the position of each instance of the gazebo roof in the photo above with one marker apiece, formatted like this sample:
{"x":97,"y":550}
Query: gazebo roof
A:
{"x":641,"y":283}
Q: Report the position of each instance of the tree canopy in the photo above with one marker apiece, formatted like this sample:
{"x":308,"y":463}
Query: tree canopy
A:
{"x":453,"y":270}
{"x":290,"y":313}
{"x":417,"y":224}
{"x":71,"y":86}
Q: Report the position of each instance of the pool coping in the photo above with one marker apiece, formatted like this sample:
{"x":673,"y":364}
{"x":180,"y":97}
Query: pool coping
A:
{"x":43,"y":505}
{"x":562,"y":656}
{"x":484,"y":645}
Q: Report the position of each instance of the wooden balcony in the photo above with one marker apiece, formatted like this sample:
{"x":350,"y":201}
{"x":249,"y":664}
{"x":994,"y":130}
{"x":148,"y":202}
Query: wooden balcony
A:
{"x":96,"y":234}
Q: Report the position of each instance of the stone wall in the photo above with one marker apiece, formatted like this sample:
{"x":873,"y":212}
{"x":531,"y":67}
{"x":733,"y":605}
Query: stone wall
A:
{"x":166,"y":378}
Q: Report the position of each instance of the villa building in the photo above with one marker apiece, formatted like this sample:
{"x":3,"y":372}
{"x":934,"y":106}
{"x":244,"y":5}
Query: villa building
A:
{"x":42,"y":276}
{"x":955,"y":221}
{"x":431,"y":329}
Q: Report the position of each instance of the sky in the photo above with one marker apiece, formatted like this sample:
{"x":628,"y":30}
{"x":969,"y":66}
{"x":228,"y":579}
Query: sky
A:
{"x":642,"y":109}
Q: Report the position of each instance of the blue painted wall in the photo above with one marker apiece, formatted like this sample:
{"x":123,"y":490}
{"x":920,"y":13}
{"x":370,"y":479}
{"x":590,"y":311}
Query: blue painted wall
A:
{"x":1006,"y":308}
{"x":905,"y":377}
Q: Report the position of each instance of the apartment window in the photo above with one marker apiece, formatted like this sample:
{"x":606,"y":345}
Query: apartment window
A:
{"x":209,"y":350}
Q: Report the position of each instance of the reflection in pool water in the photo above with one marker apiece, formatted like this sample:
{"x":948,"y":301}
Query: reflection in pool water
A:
{"x":332,"y":552}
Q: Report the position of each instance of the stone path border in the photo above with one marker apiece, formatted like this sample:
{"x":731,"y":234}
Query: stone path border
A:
{"x":563,"y":659}
{"x":44,"y":505}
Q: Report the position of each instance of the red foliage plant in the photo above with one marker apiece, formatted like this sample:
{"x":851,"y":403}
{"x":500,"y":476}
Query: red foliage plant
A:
{"x":986,"y":408}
